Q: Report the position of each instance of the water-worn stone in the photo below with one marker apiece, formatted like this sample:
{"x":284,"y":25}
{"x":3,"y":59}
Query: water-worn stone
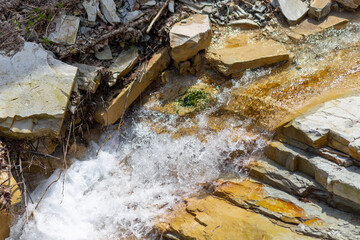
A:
{"x":35,"y":89}
{"x":293,"y":10}
{"x":349,"y":4}
{"x":108,"y":8}
{"x":91,"y":8}
{"x":123,"y":64}
{"x":117,"y":105}
{"x":66,"y":30}
{"x":242,"y":52}
{"x":214,"y":218}
{"x":88,"y":77}
{"x":341,"y":181}
{"x":319,"y":9}
{"x":190,"y":36}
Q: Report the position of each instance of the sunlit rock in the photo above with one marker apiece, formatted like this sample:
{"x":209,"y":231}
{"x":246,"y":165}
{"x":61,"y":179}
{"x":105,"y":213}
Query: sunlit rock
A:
{"x":123,"y":64}
{"x":108,"y":8}
{"x":35,"y":89}
{"x":117,"y":104}
{"x":293,"y":10}
{"x":66,"y":30}
{"x":244,"y":24}
{"x":190,"y":36}
{"x":242,"y":52}
{"x":214,"y":218}
{"x":319,"y":9}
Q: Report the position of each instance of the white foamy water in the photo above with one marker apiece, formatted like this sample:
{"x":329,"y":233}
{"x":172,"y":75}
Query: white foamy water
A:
{"x":119,"y":193}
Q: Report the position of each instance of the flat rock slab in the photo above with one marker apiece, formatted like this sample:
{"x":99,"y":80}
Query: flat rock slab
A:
{"x":214,"y":218}
{"x":242,"y":52}
{"x":66,"y":30}
{"x":293,"y":10}
{"x":310,"y":26}
{"x":91,"y":8}
{"x":335,"y":123}
{"x":108,"y":8}
{"x":35,"y":89}
{"x":117,"y":105}
{"x":190,"y":36}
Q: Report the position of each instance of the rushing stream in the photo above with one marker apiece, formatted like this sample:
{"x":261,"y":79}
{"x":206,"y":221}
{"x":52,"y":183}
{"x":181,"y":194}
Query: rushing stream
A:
{"x":118,"y":193}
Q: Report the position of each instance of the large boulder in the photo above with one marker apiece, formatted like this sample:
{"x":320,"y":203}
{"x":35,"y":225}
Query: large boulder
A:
{"x":190,"y":36}
{"x":242,"y":52}
{"x":34,"y":91}
{"x":293,"y":10}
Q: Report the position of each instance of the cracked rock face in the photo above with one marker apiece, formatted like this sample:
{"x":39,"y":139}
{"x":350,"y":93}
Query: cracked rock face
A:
{"x":34,"y":92}
{"x":190,"y":36}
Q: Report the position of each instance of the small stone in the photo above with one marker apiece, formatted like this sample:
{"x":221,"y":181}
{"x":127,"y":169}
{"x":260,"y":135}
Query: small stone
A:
{"x":187,"y":39}
{"x":123,"y":64}
{"x":319,"y":9}
{"x":131,"y":16}
{"x":171,"y":6}
{"x":108,"y":8}
{"x":245,"y":24}
{"x":104,"y":54}
{"x":91,"y":7}
{"x":88,"y":78}
{"x":147,"y":3}
{"x":66,"y":30}
{"x":293,"y":10}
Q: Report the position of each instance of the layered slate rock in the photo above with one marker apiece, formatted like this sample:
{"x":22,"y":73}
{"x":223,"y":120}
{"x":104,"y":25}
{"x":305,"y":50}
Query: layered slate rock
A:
{"x":66,"y":30}
{"x":117,"y":104}
{"x":242,"y":52}
{"x":293,"y":10}
{"x":190,"y":36}
{"x":335,"y":123}
{"x":35,"y":89}
{"x":319,"y":9}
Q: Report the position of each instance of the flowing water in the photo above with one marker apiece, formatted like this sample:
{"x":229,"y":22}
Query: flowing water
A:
{"x":141,"y":173}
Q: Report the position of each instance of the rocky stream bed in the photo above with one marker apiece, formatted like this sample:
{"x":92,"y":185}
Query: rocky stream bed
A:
{"x":180,"y":120}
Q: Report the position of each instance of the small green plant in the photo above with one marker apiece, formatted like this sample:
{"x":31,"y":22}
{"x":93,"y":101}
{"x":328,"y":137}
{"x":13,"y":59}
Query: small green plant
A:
{"x":46,"y":41}
{"x":193,"y":98}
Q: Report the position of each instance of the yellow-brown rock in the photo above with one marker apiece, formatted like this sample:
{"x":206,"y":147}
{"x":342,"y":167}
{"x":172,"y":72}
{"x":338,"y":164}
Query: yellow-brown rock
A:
{"x":214,"y":218}
{"x":242,"y":52}
{"x":117,"y":104}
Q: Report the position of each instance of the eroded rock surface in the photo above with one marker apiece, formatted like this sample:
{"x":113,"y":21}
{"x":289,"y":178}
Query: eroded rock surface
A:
{"x":35,"y":88}
{"x":190,"y":36}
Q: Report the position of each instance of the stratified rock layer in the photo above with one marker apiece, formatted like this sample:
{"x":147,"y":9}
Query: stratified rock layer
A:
{"x":35,"y":89}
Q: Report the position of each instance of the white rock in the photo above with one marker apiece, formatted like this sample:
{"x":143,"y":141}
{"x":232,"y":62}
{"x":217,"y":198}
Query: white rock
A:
{"x":190,"y":36}
{"x":171,"y":6}
{"x":293,"y":10}
{"x":91,"y":7}
{"x":66,"y":30}
{"x":244,"y":24}
{"x":34,"y":92}
{"x":108,"y":8}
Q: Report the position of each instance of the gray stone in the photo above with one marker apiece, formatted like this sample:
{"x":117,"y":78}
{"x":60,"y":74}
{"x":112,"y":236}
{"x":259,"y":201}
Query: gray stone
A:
{"x":35,"y":89}
{"x":131,"y":16}
{"x":88,"y":77}
{"x":108,"y":8}
{"x":319,"y":9}
{"x":91,"y":8}
{"x":66,"y":30}
{"x":293,"y":10}
{"x":171,"y":6}
{"x":190,"y":36}
{"x":104,"y":54}
{"x":123,"y":64}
